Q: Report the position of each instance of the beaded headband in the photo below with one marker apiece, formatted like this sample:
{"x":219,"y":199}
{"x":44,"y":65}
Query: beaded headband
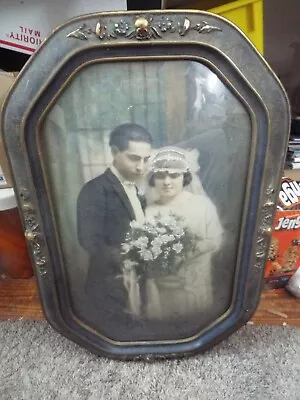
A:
{"x":170,"y":160}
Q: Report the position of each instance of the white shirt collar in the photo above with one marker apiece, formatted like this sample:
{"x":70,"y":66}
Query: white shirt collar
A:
{"x":120,"y":177}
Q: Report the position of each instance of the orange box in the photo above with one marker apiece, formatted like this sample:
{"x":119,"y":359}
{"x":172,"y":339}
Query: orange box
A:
{"x":284,"y":250}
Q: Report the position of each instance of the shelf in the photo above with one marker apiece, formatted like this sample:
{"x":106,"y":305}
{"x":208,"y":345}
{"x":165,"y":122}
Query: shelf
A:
{"x":277,"y":307}
{"x":292,"y":174}
{"x":19,"y":299}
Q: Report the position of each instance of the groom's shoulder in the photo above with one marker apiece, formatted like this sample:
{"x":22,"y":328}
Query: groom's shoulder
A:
{"x":100,"y":179}
{"x":97,"y":184}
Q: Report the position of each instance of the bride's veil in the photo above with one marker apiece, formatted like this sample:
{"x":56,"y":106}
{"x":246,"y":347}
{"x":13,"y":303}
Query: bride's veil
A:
{"x":191,"y":157}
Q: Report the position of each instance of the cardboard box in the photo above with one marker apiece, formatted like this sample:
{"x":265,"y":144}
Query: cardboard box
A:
{"x":24,"y":25}
{"x":284,"y":252}
{"x":6,"y":81}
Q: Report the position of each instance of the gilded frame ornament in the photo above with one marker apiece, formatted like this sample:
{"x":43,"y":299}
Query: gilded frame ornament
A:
{"x":154,"y":35}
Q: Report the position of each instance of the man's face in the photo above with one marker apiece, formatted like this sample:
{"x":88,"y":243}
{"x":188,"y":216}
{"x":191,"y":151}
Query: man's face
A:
{"x":132,"y":162}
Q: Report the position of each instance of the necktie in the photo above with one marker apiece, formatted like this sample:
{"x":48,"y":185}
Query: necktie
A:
{"x":132,"y":193}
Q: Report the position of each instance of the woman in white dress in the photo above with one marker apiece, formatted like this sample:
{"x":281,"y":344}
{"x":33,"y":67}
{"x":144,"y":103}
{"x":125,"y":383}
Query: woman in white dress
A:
{"x":188,"y":291}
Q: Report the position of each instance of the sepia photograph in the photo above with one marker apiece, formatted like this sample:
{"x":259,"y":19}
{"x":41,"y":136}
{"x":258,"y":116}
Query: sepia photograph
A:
{"x":146,"y":164}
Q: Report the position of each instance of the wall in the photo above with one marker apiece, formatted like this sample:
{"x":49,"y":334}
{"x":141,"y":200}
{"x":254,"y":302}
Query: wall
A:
{"x":282,"y":45}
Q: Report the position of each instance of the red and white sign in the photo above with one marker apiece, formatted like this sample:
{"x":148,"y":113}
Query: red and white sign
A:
{"x":25,"y":24}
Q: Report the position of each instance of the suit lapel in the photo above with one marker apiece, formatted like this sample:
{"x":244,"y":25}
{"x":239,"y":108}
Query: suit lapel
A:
{"x":117,"y":186}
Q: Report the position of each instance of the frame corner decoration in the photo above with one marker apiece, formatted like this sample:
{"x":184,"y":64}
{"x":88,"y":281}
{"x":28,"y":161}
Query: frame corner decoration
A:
{"x":141,"y":28}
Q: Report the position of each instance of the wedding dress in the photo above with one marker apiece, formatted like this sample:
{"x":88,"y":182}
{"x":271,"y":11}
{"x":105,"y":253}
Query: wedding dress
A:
{"x":189,"y":290}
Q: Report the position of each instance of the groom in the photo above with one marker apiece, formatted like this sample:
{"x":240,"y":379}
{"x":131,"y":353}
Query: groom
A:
{"x":106,"y":205}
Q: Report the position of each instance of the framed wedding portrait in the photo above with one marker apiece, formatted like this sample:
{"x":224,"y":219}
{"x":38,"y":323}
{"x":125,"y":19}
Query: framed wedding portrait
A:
{"x":143,"y":148}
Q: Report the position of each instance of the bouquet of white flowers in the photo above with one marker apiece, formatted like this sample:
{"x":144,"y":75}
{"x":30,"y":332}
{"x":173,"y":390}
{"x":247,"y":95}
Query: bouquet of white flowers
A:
{"x":159,"y":246}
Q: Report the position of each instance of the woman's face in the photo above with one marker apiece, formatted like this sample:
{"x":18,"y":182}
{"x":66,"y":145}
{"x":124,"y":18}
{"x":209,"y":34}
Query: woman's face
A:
{"x":168,"y":185}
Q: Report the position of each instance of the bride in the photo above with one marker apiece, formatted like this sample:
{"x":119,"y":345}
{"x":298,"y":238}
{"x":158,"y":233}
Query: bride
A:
{"x":175,"y":188}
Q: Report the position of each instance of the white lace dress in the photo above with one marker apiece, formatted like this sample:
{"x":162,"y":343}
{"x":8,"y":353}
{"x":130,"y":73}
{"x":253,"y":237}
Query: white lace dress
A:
{"x":190,"y":290}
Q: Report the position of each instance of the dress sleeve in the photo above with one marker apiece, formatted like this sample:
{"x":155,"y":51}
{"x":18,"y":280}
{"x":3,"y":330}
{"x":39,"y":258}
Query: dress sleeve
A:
{"x":213,"y":227}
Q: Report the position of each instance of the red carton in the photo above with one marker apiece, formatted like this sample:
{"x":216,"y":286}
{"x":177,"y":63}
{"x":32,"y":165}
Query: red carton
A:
{"x":284,"y":251}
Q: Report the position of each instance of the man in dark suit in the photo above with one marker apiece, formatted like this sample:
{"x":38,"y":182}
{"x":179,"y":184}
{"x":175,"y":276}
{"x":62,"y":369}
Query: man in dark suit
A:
{"x":106,"y":205}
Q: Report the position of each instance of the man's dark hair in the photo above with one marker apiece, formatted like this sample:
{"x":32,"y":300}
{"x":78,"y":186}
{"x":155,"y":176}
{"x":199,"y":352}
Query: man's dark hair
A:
{"x":123,"y":134}
{"x":187,"y":179}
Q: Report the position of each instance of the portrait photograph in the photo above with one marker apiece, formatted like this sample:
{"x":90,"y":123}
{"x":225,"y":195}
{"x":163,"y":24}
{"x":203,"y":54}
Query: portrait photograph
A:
{"x":146,"y":166}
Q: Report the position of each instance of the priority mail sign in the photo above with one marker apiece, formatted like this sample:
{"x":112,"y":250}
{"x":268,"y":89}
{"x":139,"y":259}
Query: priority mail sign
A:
{"x":25,"y":24}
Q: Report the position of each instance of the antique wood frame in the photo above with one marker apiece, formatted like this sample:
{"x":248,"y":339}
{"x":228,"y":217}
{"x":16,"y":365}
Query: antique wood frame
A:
{"x":189,"y":35}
